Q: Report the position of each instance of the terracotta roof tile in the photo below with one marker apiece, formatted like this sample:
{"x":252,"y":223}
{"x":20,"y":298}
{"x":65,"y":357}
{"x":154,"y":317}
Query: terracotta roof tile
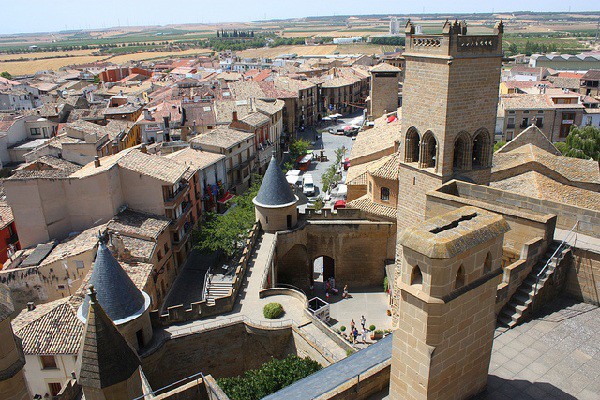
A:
{"x":365,"y":204}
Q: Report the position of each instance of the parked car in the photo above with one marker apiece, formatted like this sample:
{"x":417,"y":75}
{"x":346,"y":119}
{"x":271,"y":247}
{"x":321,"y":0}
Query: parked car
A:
{"x":308,"y":186}
{"x":336,"y":131}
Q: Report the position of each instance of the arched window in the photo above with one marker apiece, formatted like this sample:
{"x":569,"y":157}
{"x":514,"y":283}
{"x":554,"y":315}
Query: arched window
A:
{"x":461,"y":152}
{"x":428,"y":151}
{"x":413,"y":142}
{"x":416,"y":278}
{"x":385,"y":194}
{"x":482,"y":149}
{"x":460,"y":277}
{"x":487,"y":265}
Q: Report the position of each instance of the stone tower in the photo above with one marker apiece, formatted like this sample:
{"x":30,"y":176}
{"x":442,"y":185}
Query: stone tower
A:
{"x":450,"y":270}
{"x":383,"y":92}
{"x":108,"y":368}
{"x":126,"y":305}
{"x":450,"y":97}
{"x":275,"y":203}
{"x":12,"y":360}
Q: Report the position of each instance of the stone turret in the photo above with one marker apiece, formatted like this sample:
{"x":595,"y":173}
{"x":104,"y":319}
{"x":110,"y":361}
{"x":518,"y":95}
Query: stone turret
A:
{"x":126,"y":305}
{"x":275,"y":203}
{"x":108,"y":368}
{"x":450,"y":270}
{"x":12,"y":360}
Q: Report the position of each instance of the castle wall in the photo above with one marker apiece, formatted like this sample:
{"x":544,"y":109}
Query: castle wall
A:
{"x":222,"y":352}
{"x":583,"y":278}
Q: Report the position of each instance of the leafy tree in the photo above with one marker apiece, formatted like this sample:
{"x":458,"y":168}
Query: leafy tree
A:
{"x":330,"y":176}
{"x":498,"y":144}
{"x":272,"y":376}
{"x":513,"y":48}
{"x":6,"y":75}
{"x":581,"y":143}
{"x":226,"y":232}
{"x":299,"y":148}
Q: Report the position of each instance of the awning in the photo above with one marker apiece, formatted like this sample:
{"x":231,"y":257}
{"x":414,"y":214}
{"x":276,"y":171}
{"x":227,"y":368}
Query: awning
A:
{"x":392,"y":118}
{"x":226,"y":197}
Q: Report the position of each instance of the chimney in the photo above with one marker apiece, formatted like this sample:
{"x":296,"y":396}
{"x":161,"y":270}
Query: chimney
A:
{"x":96,"y":161}
{"x":147,"y":115}
{"x":143,"y":149}
{"x":30,"y":306}
{"x":194,"y":128}
{"x":166,"y":121}
{"x":235,"y":116}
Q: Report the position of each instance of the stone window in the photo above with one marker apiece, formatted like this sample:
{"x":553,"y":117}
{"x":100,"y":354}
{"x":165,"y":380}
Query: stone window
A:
{"x":461,"y":152}
{"x":412,"y":145}
{"x":416,"y":277}
{"x":385,"y":194}
{"x":482,"y":149}
{"x":487,"y":265}
{"x":460,"y":278}
{"x":428,"y":151}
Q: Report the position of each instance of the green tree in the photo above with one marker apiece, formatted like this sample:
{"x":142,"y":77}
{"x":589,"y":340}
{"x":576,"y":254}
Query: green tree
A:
{"x":226,"y":232}
{"x":272,"y":376}
{"x":6,"y":75}
{"x":498,"y":144}
{"x":581,"y":143}
{"x":298,"y":148}
{"x":513,"y":48}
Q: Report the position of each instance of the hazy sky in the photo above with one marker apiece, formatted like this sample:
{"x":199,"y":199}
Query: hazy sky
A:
{"x":55,"y":15}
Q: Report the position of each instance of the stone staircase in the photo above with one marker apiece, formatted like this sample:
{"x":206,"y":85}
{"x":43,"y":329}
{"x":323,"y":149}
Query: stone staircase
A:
{"x":216,"y":290}
{"x":520,"y":305}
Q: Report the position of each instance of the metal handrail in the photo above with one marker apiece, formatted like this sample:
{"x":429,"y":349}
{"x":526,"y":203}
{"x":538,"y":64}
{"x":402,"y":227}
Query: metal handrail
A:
{"x":559,"y":248}
{"x":154,"y":392}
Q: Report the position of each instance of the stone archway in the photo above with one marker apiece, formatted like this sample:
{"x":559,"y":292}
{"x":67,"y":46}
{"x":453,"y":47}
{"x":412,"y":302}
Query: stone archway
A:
{"x":323,"y":268}
{"x":293,"y":266}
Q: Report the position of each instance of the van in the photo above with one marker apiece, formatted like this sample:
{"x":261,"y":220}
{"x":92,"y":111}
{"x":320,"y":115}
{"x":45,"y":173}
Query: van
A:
{"x":308,"y":186}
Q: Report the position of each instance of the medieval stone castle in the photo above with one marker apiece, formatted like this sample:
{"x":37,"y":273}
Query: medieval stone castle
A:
{"x":429,"y":208}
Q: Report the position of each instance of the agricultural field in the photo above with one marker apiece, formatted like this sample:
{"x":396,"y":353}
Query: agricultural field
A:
{"x":151,"y":55}
{"x":30,"y":67}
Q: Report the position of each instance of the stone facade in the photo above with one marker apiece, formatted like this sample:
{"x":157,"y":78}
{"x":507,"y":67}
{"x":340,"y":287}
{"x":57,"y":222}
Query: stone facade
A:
{"x":384,"y":90}
{"x":450,"y":270}
{"x":583,"y":279}
{"x":12,"y":378}
{"x":450,"y":96}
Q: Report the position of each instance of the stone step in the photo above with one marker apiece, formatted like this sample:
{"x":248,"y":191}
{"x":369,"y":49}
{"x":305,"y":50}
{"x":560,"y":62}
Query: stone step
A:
{"x":521,"y":298}
{"x":506,"y":321}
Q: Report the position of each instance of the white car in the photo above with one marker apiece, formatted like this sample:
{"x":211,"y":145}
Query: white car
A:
{"x":308,"y":186}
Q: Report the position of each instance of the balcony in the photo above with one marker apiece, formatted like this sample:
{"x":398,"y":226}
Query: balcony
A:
{"x":173,"y":199}
{"x":178,"y":241}
{"x":178,"y":221}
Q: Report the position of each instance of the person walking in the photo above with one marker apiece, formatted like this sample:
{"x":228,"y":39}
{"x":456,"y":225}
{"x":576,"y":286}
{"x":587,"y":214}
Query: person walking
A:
{"x":352,"y":325}
{"x":355,"y":334}
{"x":345,"y":294}
{"x":363,"y":322}
{"x":364,"y":335}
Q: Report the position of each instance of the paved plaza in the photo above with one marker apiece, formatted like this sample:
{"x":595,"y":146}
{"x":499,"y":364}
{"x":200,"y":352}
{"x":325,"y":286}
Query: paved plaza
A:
{"x":555,"y":356}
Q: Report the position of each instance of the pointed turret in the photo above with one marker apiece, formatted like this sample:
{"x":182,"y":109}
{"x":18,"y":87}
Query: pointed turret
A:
{"x":275,"y":203}
{"x":125,"y":304}
{"x":108,"y":368}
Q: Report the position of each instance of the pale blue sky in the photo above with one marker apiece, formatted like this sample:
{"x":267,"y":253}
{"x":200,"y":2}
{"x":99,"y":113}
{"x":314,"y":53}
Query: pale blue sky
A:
{"x":55,"y":15}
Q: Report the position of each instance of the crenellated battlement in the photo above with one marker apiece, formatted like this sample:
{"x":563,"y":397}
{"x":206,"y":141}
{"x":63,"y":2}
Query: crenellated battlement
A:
{"x":453,"y":41}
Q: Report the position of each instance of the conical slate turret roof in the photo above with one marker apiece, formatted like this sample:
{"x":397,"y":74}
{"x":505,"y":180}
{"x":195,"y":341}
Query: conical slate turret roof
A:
{"x":105,"y":357}
{"x":275,"y":191}
{"x":117,"y":293}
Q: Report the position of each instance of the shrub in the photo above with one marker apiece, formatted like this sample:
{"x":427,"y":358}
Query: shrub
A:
{"x":386,"y":284}
{"x":372,"y":328}
{"x":273,"y":310}
{"x":269,"y":378}
{"x":349,"y":352}
{"x":343,"y":328}
{"x":378,"y":332}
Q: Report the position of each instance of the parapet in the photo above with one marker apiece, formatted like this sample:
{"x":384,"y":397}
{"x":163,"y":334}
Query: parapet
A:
{"x":453,"y":41}
{"x":450,"y":234}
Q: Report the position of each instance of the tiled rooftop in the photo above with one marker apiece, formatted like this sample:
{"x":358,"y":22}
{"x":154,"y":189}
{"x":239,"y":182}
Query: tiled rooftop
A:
{"x":222,"y":136}
{"x":74,"y":245}
{"x":367,"y":205}
{"x":51,"y":328}
{"x":197,"y":159}
{"x":382,"y":136}
{"x":138,"y":224}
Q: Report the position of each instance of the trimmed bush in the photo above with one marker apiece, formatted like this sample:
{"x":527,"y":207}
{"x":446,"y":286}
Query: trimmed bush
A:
{"x":271,"y":377}
{"x":372,"y":327}
{"x":273,"y":311}
{"x":343,"y":328}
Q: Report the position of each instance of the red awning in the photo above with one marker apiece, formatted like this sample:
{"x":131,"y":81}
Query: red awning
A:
{"x":391,"y":118}
{"x":226,"y":197}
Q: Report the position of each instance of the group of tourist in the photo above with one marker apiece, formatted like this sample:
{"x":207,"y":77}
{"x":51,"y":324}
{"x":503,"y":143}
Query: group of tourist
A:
{"x":354,"y":330}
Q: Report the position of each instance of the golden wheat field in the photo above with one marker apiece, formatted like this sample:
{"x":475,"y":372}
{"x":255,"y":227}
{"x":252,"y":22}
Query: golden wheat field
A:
{"x":31,"y":67}
{"x":150,"y":55}
{"x":42,"y":54}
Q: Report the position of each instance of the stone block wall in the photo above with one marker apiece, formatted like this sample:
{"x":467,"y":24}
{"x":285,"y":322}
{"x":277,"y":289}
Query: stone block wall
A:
{"x":583,"y":279}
